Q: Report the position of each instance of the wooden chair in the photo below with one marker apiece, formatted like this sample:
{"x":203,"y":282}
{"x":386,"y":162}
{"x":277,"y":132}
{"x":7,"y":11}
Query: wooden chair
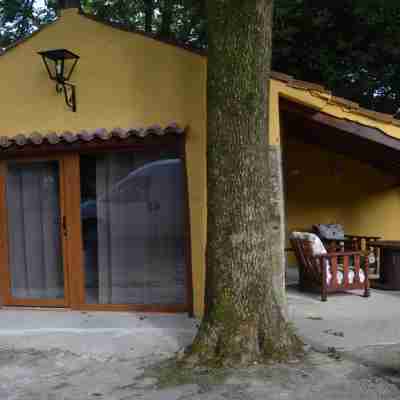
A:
{"x":362,"y":243}
{"x":329,"y":272}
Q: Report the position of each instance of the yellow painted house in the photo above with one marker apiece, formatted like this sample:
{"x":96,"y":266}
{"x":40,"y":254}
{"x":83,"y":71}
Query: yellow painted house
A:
{"x":105,"y":207}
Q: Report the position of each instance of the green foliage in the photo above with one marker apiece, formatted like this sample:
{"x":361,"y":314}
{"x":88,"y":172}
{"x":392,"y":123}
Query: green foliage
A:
{"x":350,"y":46}
{"x":182,"y":20}
{"x":20,"y":18}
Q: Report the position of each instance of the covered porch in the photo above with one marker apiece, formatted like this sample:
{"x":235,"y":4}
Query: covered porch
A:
{"x":338,"y":171}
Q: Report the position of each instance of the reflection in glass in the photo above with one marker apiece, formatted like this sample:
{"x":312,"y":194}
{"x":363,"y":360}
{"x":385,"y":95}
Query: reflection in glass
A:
{"x":133,"y":217}
{"x":35,"y":256}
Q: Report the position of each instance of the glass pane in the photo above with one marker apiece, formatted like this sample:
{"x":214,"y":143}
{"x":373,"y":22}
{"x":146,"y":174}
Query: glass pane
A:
{"x":35,"y":255}
{"x":133,"y":218}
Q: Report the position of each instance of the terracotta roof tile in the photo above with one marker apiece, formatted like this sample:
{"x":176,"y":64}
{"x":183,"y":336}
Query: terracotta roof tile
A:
{"x":53,"y":138}
{"x":340,"y":101}
{"x":375,"y":115}
{"x":102,"y":134}
{"x":37,"y":138}
{"x":279,"y":76}
{"x":20,"y":140}
{"x":121,"y":133}
{"x":85,"y":136}
{"x":5,"y":142}
{"x":69,"y":137}
{"x":297,"y":84}
{"x":351,"y":105}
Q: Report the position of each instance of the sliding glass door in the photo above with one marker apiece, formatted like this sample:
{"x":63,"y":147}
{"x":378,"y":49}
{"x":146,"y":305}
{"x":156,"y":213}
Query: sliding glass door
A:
{"x":35,"y":262}
{"x":134,"y":225}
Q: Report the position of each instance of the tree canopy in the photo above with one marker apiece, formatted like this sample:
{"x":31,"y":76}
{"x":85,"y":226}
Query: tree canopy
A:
{"x":20,"y":18}
{"x":181,"y":20}
{"x":350,"y":46}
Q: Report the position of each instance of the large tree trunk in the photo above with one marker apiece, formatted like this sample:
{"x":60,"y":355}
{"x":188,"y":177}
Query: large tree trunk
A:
{"x":149,"y":12}
{"x":166,"y":18}
{"x":246,"y":312}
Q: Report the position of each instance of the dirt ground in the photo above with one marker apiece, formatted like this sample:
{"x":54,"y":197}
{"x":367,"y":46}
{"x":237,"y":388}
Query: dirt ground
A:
{"x":32,"y":374}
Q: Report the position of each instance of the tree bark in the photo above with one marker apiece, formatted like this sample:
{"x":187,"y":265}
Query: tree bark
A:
{"x":246,"y":313}
{"x":64,"y":4}
{"x":149,"y":12}
{"x":166,"y":18}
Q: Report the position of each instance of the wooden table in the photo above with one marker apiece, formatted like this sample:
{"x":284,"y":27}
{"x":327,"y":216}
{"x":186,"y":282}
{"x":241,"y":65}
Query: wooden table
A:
{"x":390,"y":265}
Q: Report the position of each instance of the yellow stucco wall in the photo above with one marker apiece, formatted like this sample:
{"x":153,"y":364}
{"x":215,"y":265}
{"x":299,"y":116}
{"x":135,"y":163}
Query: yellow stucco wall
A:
{"x":376,"y":214}
{"x":313,"y":187}
{"x":128,"y":80}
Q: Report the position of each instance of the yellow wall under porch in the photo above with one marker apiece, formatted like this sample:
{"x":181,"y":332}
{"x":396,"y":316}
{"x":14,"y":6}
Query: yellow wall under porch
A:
{"x":325,"y":187}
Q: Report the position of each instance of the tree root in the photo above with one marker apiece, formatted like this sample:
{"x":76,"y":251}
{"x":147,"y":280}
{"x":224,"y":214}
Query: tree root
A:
{"x":221,"y":346}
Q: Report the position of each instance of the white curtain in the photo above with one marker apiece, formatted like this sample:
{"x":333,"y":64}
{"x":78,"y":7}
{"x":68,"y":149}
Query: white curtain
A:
{"x":35,"y":256}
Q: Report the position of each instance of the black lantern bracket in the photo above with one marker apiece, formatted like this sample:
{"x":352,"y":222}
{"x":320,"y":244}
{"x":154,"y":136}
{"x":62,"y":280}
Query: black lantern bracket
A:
{"x":60,"y":65}
{"x":69,"y":94}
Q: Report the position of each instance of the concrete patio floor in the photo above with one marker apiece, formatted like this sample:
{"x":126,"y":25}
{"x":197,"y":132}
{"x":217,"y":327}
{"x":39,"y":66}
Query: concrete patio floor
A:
{"x":346,"y":321}
{"x":97,"y":334}
{"x":70,"y":355}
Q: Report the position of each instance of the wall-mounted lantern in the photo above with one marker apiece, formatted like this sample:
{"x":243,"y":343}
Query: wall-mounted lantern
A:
{"x":60,"y":64}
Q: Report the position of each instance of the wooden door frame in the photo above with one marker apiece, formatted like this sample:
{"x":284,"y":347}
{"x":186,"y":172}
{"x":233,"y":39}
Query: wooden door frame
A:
{"x":5,"y":283}
{"x":74,"y":250}
{"x":71,"y":197}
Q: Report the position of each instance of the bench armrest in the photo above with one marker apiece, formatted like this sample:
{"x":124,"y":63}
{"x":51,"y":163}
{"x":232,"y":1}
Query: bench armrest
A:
{"x":340,"y":254}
